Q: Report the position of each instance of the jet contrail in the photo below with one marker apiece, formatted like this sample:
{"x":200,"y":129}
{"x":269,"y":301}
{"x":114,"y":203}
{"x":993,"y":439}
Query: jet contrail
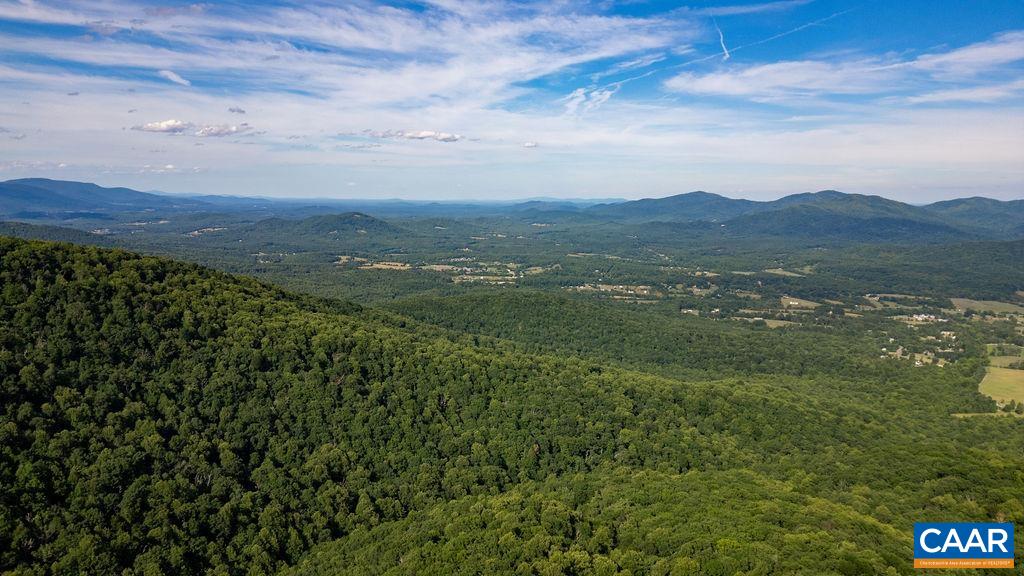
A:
{"x":721,"y":40}
{"x":726,"y":53}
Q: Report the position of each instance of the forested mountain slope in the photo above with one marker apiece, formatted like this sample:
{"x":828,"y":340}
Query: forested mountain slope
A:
{"x":162,"y":418}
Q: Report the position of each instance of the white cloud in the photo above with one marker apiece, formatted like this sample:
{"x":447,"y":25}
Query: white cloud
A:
{"x":416,"y":135}
{"x":583,"y":100}
{"x":929,"y":75}
{"x":990,"y":93}
{"x":806,"y":77}
{"x":236,"y":110}
{"x":573,"y":100}
{"x":173,"y":77}
{"x":171,"y":126}
{"x":472,"y":66}
{"x":219,"y":130}
{"x":530,"y":144}
{"x":976,"y":58}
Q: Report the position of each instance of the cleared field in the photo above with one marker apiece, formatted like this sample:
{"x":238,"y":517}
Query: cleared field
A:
{"x":386,"y":266}
{"x":782,"y":272}
{"x":1003,"y":384}
{"x":791,"y":302}
{"x":1004,"y":361}
{"x":986,"y":306}
{"x":770,"y":322}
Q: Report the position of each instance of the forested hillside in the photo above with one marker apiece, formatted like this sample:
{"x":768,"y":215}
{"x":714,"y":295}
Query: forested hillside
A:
{"x":162,"y":418}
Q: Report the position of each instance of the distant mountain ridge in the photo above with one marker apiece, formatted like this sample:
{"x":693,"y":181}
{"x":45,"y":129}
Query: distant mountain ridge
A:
{"x":681,"y":207}
{"x":42,"y":195}
{"x":828,"y":213}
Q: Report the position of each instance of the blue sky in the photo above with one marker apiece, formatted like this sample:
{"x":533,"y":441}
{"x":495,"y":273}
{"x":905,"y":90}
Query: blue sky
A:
{"x":915,"y":100}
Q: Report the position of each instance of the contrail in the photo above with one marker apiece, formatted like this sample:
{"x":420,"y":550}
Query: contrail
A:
{"x":726,"y":53}
{"x":721,"y":40}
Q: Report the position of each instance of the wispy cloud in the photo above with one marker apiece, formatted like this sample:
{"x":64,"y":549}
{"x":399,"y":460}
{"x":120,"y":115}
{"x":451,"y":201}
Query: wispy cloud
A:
{"x":742,"y":9}
{"x":569,"y":75}
{"x":990,"y":93}
{"x":415,"y":135}
{"x":173,"y":77}
{"x":787,"y":78}
{"x":976,"y":58}
{"x":221,"y":130}
{"x":928,"y":74}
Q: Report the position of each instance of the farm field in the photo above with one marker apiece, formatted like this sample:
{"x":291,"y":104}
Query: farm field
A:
{"x":1004,"y":361}
{"x":1003,"y":384}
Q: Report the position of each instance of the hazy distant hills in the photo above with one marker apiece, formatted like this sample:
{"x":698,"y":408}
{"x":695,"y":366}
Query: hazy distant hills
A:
{"x":327,"y":225}
{"x":812,"y":221}
{"x":827,"y":214}
{"x":34,"y":197}
{"x":681,"y":207}
{"x":831,"y":214}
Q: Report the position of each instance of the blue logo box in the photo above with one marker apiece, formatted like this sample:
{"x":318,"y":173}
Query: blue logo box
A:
{"x":963,"y":540}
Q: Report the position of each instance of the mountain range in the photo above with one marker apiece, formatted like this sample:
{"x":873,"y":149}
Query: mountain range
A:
{"x":830,"y":213}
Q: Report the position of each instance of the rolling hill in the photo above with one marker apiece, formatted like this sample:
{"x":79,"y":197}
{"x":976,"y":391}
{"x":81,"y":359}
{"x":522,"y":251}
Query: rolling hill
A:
{"x":839,"y":221}
{"x":981,"y":213}
{"x":345,"y":224}
{"x":681,"y":208}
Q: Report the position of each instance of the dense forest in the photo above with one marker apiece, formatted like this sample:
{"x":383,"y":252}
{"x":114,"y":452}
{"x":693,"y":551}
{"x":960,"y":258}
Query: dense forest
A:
{"x":159,"y":417}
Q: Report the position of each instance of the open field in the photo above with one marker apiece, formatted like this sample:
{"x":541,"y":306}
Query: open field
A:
{"x":986,"y":306}
{"x":1004,"y":361}
{"x":1003,"y":384}
{"x":791,"y":302}
{"x":386,"y":266}
{"x":782,"y":272}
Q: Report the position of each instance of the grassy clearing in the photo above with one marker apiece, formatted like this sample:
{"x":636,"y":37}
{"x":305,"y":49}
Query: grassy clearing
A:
{"x":781,"y":272}
{"x":791,"y":302}
{"x":386,"y":266}
{"x":1004,"y":361}
{"x":987,"y":306}
{"x":1003,"y":384}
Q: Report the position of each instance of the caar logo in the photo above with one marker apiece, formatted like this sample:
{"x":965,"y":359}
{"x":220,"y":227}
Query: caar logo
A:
{"x":963,"y":545}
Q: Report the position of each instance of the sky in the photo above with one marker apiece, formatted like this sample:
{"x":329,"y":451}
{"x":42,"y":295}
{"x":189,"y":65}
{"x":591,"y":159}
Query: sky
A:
{"x":917,"y":100}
